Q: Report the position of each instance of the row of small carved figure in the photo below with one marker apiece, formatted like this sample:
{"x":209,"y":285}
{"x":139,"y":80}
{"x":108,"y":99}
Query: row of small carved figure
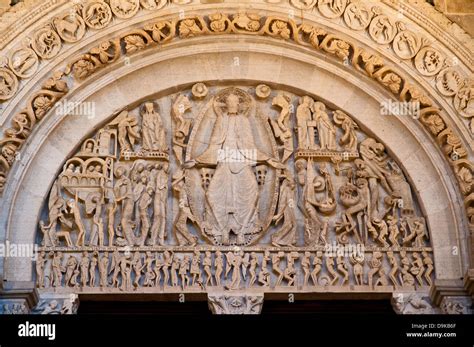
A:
{"x":186,"y":270}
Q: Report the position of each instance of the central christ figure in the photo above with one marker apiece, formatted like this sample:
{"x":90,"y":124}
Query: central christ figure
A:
{"x":232,"y":195}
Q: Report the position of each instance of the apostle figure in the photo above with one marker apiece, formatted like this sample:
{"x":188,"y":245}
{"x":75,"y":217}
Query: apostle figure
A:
{"x":154,"y":136}
{"x":326,"y":130}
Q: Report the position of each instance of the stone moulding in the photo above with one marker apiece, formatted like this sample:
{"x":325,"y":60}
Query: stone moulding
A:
{"x":401,"y":38}
{"x":157,"y":33}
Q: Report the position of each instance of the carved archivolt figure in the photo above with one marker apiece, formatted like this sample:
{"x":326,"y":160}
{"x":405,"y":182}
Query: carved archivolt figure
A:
{"x":326,"y":129}
{"x":40,"y":265}
{"x":281,"y":127}
{"x":180,"y":107}
{"x":349,"y":138}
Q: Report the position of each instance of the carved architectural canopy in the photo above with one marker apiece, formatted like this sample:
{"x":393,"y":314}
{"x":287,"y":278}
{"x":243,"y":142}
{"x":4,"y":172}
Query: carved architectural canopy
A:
{"x":236,"y":149}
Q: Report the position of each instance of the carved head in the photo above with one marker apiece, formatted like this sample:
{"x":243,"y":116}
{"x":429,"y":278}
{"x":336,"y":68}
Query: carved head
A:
{"x":306,"y":100}
{"x":281,"y":100}
{"x":149,"y":107}
{"x":232,"y":103}
{"x":318,"y":106}
{"x":120,"y":171}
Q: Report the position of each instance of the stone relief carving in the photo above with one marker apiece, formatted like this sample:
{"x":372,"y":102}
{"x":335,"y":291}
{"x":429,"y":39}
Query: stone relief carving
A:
{"x":358,"y":16}
{"x":97,"y":14}
{"x":14,"y":308}
{"x":209,"y":190}
{"x":24,"y":62}
{"x":412,"y":303}
{"x":125,"y":8}
{"x":46,"y":43}
{"x":71,"y":27}
{"x":456,"y":305}
{"x":305,"y":34}
{"x":8,"y":84}
{"x":57,"y":304}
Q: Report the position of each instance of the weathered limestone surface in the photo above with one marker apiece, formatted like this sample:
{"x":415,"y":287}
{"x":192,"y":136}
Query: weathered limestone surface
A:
{"x":235,"y":150}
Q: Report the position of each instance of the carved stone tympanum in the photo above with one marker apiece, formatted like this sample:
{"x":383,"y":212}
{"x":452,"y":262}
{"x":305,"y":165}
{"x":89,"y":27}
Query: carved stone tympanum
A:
{"x":228,"y":189}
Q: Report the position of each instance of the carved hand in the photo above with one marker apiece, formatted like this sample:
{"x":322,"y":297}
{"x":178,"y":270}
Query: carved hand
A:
{"x":275,"y":164}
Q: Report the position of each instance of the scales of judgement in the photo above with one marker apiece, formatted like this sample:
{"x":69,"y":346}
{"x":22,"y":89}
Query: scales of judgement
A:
{"x":232,"y":188}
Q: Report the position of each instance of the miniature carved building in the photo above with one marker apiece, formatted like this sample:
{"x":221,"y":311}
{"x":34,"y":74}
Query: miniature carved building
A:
{"x":153,"y":147}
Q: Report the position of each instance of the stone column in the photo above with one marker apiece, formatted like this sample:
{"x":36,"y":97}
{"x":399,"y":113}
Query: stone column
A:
{"x":17,"y":297}
{"x":235,"y":303}
{"x":453,"y":296}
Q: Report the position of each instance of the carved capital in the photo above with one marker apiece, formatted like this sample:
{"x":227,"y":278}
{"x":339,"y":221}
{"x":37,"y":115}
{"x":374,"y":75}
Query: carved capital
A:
{"x":17,"y":297}
{"x":412,"y":303}
{"x":235,"y":303}
{"x":456,"y":305}
{"x":57,"y":304}
{"x":446,"y":288}
{"x":469,"y":282}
